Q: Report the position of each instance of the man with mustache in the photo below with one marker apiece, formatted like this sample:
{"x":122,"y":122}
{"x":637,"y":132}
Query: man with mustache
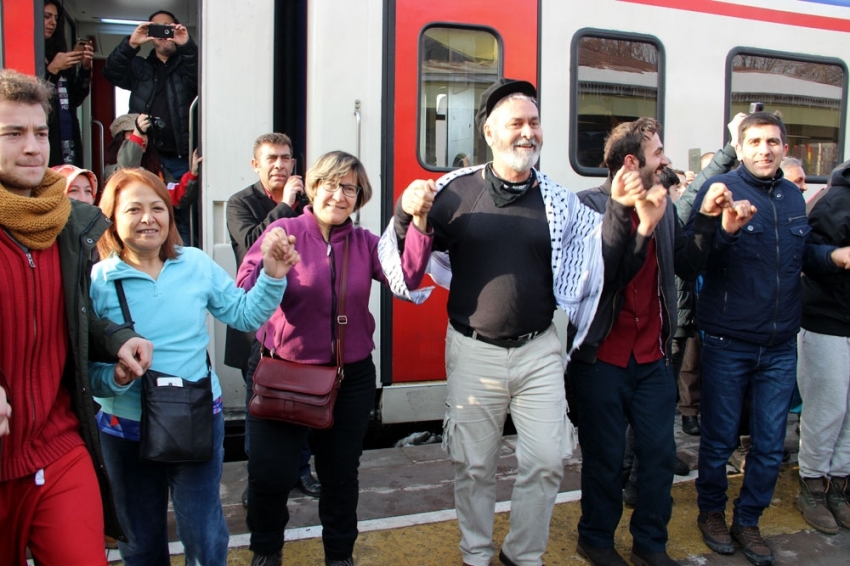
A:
{"x":749,"y":309}
{"x":621,"y":373}
{"x":54,"y":492}
{"x":519,"y":246}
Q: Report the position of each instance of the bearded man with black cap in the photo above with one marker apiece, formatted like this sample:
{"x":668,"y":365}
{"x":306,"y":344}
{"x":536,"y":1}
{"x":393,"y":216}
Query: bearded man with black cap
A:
{"x":518,"y":245}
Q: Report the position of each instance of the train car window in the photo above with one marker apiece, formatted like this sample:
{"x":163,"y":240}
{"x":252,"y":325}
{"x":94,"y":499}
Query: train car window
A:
{"x":810,"y":93}
{"x":616,"y":77}
{"x":455,"y":66}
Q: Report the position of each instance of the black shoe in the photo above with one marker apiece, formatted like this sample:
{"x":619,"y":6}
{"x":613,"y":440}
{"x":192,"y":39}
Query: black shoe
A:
{"x":680,"y":468}
{"x":690,"y":425}
{"x":347,"y":562}
{"x":651,"y":559}
{"x":275,"y":559}
{"x":309,"y":485}
{"x":503,"y":558}
{"x":600,"y":556}
{"x":245,"y":498}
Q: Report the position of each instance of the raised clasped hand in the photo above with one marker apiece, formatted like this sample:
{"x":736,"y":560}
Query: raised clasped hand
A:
{"x":737,"y":215}
{"x":717,"y":199}
{"x":627,"y":187}
{"x":417,"y":200}
{"x":279,"y":253}
{"x":650,"y":208}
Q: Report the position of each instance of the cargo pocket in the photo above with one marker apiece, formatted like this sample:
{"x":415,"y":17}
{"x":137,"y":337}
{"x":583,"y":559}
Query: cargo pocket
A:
{"x":451,"y":443}
{"x":569,"y":439}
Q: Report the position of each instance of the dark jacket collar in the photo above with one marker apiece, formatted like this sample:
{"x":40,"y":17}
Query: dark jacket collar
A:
{"x":752,"y":180}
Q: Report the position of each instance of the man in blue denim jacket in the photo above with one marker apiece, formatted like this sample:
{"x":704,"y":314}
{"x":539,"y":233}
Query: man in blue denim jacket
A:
{"x":750,"y":309}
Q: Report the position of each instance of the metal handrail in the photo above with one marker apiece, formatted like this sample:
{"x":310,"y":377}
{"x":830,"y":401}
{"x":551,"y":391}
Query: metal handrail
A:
{"x":192,"y":152}
{"x":358,"y":121}
{"x":99,"y":124}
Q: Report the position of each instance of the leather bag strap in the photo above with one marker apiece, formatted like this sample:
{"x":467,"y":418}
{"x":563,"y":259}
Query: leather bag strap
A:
{"x":341,"y":319}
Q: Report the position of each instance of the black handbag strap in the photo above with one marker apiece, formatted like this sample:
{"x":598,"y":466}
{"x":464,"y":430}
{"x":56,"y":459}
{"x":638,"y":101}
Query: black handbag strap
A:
{"x":125,"y":309}
{"x":128,"y":319}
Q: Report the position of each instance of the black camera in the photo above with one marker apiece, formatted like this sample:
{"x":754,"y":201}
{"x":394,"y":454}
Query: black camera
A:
{"x":163,"y":31}
{"x":157,"y":122}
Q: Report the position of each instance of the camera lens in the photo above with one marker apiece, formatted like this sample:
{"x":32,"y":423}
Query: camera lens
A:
{"x":159,"y":123}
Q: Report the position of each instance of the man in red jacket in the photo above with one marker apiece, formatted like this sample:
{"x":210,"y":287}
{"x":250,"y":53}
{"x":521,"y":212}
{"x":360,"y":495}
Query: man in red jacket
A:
{"x":54,"y":493}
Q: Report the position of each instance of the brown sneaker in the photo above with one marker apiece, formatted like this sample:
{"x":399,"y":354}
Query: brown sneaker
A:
{"x":812,"y":504}
{"x":754,"y":547}
{"x":715,"y":533}
{"x":836,"y":500}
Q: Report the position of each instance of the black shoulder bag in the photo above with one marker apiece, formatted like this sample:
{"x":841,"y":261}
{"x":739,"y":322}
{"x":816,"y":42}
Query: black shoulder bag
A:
{"x":177,"y":414}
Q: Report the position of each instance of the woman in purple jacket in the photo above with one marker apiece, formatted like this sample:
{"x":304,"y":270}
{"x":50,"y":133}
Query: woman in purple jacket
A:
{"x":303,"y":330}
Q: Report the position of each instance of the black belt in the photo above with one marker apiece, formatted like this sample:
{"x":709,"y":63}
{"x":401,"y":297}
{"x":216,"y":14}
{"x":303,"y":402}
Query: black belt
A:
{"x":514,"y":342}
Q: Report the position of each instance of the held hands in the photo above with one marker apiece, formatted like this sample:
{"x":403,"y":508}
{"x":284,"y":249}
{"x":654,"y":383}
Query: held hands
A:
{"x":294,"y":187}
{"x":5,"y":413}
{"x":417,"y":200}
{"x":840,"y":257}
{"x":279,"y":253}
{"x":68,"y":59}
{"x":134,"y":359}
{"x":650,"y":209}
{"x":627,"y":187}
{"x":718,"y":198}
{"x":736,"y":214}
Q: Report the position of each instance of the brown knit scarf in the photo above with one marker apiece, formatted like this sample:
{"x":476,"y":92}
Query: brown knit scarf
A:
{"x":36,"y":220}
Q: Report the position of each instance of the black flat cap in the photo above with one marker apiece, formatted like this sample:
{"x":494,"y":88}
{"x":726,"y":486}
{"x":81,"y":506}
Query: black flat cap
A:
{"x":496,"y":92}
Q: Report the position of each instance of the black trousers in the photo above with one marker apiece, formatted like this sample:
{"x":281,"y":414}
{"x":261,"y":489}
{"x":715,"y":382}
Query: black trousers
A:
{"x":273,"y":467}
{"x":644,"y":396}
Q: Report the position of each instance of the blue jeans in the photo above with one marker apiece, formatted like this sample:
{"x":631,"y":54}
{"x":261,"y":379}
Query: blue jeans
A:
{"x":141,"y":498}
{"x":643,"y":395}
{"x":729,"y":368}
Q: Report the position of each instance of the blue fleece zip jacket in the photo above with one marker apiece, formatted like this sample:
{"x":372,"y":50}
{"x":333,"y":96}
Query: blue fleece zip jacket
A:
{"x":752,"y":290}
{"x":171,"y":312}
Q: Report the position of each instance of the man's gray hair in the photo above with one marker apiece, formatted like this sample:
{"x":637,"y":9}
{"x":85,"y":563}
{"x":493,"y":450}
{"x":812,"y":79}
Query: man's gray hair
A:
{"x":791,"y":162}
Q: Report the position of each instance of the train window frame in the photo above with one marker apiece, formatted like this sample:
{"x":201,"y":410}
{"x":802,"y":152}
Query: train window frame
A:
{"x":790,"y":56}
{"x":500,"y":65}
{"x":661,"y":91}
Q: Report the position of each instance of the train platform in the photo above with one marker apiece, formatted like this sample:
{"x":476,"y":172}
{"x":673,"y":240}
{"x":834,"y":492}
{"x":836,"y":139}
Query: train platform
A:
{"x":407,"y":517}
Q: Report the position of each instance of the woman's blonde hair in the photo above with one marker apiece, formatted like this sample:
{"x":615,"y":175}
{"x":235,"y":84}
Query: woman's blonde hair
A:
{"x":334,"y":166}
{"x":110,"y":242}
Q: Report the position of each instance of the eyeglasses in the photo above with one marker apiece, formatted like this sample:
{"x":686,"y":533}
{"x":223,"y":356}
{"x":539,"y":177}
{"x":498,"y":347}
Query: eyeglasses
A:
{"x":350,"y":191}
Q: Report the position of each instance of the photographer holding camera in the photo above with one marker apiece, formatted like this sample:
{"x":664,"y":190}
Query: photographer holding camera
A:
{"x":163,"y":84}
{"x":133,"y":146}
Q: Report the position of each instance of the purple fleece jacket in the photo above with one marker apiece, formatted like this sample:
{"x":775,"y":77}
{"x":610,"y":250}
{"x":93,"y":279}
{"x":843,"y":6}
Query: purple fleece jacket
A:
{"x":300,"y":329}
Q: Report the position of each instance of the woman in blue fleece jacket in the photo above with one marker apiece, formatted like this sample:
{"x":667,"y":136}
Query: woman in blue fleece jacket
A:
{"x":169,"y":290}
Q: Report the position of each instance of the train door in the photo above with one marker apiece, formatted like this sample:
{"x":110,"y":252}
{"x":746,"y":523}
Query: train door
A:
{"x":442,"y":55}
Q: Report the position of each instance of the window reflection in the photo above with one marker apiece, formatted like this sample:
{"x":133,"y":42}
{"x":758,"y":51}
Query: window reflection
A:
{"x":617,"y":82}
{"x":808,"y":95}
{"x":456,"y":66}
